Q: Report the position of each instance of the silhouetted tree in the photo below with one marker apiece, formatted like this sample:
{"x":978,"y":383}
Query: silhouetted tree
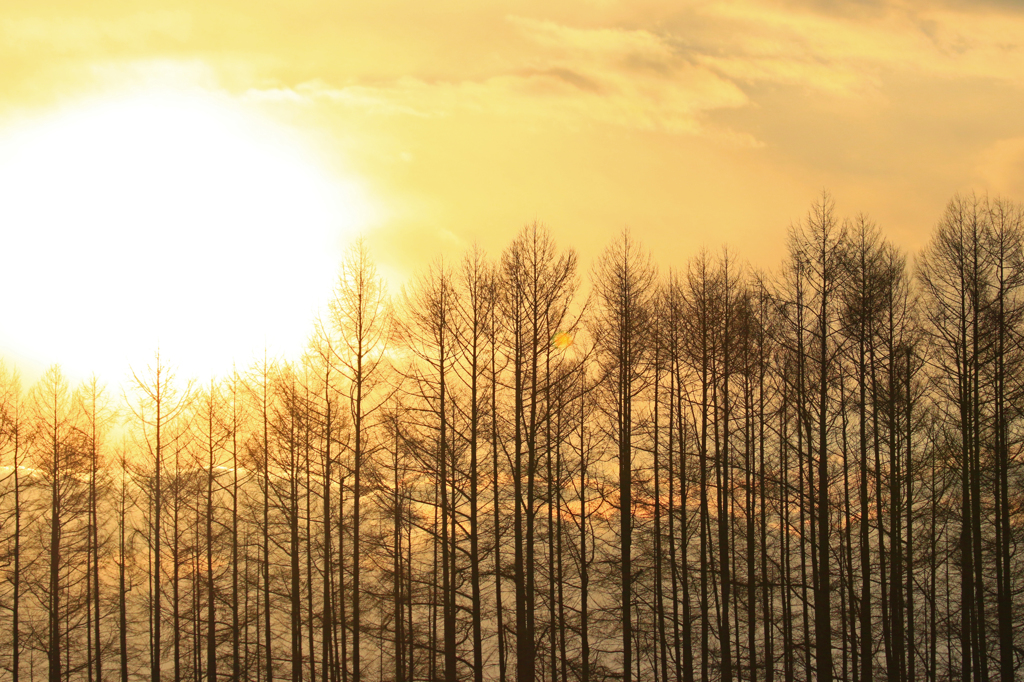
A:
{"x":624,"y":282}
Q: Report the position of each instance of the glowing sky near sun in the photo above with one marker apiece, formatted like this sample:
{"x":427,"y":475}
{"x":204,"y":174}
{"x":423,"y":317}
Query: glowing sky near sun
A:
{"x":287,"y":127}
{"x":165,"y":220}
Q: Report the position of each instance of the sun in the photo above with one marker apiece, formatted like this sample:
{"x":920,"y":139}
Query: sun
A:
{"x":178,"y":221}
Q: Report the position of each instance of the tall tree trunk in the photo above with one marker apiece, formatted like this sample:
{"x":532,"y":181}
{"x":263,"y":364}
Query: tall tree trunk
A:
{"x":211,"y":594}
{"x":584,"y":563}
{"x":659,"y":597}
{"x":724,"y":482}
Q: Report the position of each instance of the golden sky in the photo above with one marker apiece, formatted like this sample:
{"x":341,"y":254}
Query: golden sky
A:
{"x":427,"y":126}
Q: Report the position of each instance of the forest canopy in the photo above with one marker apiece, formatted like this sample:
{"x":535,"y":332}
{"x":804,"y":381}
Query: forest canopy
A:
{"x":714,"y":473}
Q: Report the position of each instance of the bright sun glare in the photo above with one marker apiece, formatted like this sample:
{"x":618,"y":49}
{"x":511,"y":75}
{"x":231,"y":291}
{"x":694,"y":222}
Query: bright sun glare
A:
{"x":170,"y":220}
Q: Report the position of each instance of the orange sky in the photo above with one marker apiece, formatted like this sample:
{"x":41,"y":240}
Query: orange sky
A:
{"x":694,"y":123}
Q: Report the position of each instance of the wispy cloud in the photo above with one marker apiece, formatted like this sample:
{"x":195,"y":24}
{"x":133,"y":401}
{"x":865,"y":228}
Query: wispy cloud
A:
{"x":399,"y":99}
{"x":629,"y":78}
{"x":849,"y":54}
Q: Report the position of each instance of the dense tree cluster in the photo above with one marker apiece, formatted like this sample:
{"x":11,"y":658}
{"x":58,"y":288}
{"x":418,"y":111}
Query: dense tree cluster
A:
{"x":713,"y":473}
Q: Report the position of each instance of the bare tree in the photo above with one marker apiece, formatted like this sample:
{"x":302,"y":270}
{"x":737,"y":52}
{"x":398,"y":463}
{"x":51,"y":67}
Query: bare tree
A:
{"x":624,"y":284}
{"x":361,"y":319}
{"x":156,"y":404}
{"x":13,"y":434}
{"x":817,"y":256}
{"x":537,"y":287}
{"x":97,"y":415}
{"x":60,"y":459}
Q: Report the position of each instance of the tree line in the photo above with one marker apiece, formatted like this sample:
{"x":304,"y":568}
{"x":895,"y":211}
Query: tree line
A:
{"x":714,"y":473}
